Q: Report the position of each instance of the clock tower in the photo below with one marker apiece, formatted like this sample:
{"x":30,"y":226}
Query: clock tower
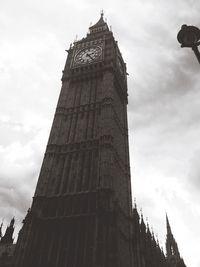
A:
{"x":81,"y":210}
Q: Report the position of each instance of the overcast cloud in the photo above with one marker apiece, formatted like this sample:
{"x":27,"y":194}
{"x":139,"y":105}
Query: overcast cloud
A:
{"x":164,"y":103}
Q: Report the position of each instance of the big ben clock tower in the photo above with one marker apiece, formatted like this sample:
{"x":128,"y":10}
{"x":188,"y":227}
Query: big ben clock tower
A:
{"x":81,"y":210}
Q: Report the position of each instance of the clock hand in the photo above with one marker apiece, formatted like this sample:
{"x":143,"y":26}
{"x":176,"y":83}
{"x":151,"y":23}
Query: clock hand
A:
{"x":89,"y":56}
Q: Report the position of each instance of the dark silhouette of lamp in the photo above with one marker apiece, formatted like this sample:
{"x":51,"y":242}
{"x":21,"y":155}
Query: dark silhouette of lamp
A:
{"x":189,"y":36}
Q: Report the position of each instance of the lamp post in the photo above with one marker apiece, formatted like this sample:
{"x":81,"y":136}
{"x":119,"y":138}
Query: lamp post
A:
{"x":189,"y":36}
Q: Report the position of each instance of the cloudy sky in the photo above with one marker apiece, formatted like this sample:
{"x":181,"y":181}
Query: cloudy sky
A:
{"x":164,"y":103}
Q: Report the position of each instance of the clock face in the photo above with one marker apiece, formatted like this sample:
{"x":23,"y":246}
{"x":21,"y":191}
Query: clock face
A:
{"x":88,"y":55}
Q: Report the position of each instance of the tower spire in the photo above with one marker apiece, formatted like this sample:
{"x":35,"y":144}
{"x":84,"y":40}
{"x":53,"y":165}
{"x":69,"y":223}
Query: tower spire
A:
{"x":100,"y":26}
{"x":172,"y":250}
{"x":168,"y":225}
{"x":171,"y":245}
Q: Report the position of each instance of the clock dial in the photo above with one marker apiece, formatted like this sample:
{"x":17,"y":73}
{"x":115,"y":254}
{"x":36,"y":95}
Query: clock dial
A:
{"x":88,"y":55}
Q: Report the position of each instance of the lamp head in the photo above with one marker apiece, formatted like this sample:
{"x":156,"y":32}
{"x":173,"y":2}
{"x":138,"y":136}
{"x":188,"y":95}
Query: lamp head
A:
{"x":188,"y":36}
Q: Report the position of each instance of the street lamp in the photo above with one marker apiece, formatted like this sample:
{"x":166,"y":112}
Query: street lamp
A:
{"x":189,"y":36}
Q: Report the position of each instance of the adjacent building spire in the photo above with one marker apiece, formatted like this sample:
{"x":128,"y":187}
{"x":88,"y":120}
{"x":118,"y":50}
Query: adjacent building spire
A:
{"x":169,"y":232}
{"x":8,"y":236}
{"x":171,"y":245}
{"x":172,"y":250}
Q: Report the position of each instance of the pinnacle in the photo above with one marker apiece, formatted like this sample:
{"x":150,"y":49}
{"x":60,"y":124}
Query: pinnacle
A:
{"x":100,"y":22}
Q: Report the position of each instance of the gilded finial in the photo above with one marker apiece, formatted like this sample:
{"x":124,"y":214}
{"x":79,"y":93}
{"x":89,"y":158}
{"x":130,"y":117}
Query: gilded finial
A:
{"x":102,"y":13}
